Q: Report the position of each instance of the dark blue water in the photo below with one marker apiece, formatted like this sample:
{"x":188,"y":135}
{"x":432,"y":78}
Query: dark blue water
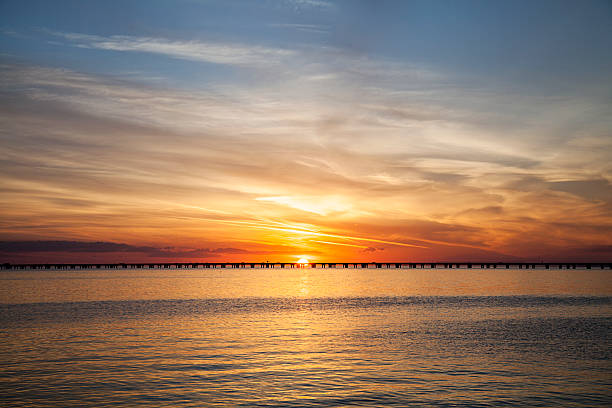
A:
{"x":301,"y":351}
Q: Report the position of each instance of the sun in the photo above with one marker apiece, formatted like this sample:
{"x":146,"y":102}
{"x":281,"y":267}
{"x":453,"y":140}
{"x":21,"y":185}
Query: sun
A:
{"x":302,"y":261}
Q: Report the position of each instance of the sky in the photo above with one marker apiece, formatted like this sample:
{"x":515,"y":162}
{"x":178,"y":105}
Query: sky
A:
{"x":274,"y":130}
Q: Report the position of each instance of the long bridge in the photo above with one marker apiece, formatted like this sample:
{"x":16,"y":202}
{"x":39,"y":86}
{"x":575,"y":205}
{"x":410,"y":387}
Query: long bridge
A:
{"x":318,"y":265}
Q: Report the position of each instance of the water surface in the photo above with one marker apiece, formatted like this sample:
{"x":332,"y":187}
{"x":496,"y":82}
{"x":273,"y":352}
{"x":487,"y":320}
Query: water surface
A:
{"x":304,"y":337}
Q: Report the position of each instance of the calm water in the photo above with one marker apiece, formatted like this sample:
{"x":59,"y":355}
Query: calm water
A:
{"x":304,"y":337}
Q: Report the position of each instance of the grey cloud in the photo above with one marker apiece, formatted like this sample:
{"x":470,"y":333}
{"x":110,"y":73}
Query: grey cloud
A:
{"x":597,"y":249}
{"x":16,"y":247}
{"x":451,"y":178}
{"x":71,"y":246}
{"x":596,"y":189}
{"x":589,"y":189}
{"x":469,"y":155}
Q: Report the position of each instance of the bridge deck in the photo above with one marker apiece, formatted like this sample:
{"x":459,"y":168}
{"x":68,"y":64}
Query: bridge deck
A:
{"x":325,"y":265}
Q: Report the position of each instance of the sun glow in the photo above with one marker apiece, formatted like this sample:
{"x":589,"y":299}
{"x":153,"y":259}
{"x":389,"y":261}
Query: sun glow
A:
{"x":302,"y":261}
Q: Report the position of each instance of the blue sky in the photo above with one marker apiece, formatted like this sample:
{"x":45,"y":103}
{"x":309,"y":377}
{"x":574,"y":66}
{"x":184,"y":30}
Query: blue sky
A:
{"x":514,"y":43}
{"x":428,"y":127}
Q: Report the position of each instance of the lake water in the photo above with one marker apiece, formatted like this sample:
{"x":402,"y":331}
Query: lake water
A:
{"x":306,"y":338}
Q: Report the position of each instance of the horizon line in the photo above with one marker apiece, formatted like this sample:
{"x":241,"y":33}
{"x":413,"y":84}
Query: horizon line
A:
{"x":312,"y":265}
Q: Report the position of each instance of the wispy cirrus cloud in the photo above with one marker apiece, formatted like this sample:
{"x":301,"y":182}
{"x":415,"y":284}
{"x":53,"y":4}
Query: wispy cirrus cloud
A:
{"x":311,"y":28}
{"x":309,"y":3}
{"x":191,"y":50}
{"x":95,"y":151}
{"x":309,"y":62}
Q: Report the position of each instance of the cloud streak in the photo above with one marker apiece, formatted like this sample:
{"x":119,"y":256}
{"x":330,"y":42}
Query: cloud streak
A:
{"x":79,"y":247}
{"x":90,"y":156}
{"x":194,"y":50}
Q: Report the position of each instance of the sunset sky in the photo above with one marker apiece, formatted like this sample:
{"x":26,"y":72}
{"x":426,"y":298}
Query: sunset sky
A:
{"x":286,"y":129}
